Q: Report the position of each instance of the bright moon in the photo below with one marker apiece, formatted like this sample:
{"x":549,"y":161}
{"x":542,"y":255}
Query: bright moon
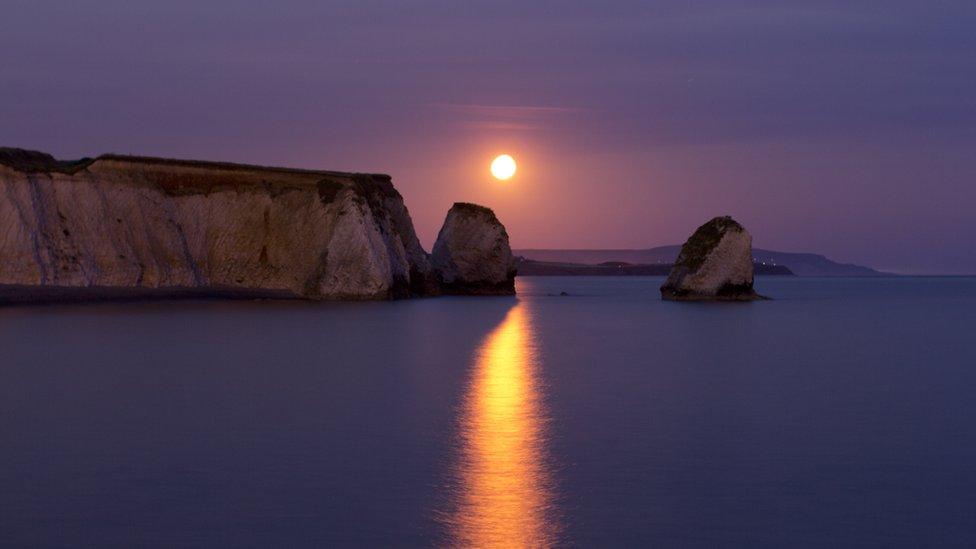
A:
{"x":503,"y":167}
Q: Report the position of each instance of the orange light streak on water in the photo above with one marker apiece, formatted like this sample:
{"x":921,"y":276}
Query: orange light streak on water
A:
{"x":505,"y":494}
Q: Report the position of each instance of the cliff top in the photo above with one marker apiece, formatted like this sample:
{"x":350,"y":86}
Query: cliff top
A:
{"x":29,"y":161}
{"x":475,"y":208}
{"x":706,"y":237}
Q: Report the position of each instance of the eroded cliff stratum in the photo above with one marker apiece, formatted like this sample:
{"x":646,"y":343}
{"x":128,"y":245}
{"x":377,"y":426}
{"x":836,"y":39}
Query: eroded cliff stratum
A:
{"x":134,"y":225}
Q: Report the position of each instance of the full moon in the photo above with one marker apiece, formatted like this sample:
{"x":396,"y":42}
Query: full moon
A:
{"x":503,"y":167}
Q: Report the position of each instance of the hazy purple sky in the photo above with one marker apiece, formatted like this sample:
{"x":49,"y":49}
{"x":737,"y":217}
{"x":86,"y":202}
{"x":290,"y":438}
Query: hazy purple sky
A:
{"x":840,"y":127}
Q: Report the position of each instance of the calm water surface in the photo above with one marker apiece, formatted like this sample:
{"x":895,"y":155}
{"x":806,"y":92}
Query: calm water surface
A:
{"x":842,"y":413}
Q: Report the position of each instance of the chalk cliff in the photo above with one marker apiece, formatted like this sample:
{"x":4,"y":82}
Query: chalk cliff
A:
{"x":714,"y":264}
{"x":139,"y":226}
{"x":472,"y":254}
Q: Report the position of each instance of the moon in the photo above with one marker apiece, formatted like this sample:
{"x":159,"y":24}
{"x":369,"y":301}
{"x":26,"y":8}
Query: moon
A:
{"x":503,"y":167}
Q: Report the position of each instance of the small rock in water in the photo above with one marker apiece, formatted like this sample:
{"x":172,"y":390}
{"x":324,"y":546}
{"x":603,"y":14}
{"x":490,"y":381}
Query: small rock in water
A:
{"x":715,"y":264}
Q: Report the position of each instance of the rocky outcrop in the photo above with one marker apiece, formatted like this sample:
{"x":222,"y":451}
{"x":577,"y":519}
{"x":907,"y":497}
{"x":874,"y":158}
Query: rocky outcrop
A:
{"x":714,"y":264}
{"x":134,"y":226}
{"x":472,"y":254}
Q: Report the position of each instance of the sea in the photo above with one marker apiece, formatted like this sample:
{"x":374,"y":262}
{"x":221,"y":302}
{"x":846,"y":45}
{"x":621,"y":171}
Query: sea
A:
{"x":583,"y":412}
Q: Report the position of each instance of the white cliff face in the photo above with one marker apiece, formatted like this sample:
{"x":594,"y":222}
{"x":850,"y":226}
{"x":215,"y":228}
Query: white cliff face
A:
{"x":152,"y":224}
{"x":715,"y":263}
{"x":472,"y":253}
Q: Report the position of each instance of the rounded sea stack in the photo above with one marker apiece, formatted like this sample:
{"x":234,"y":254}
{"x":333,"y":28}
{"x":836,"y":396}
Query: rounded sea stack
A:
{"x":715,"y":264}
{"x":472,"y":254}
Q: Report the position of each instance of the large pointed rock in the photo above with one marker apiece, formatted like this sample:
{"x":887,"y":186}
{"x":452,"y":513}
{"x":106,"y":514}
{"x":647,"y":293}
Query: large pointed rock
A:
{"x":472,"y":254}
{"x":714,"y":264}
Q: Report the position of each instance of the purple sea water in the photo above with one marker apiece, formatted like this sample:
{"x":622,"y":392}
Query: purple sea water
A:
{"x":840,"y":413}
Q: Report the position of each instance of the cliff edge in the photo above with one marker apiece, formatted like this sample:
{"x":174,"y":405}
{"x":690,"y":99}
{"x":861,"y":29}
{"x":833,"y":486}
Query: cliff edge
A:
{"x":139,"y":226}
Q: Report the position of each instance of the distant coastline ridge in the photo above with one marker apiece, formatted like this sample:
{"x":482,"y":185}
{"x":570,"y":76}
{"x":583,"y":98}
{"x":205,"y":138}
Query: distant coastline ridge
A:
{"x":766,"y":261}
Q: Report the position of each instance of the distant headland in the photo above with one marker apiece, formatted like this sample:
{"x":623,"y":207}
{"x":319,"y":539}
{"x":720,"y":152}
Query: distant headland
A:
{"x":765,"y":261}
{"x":531,"y":267}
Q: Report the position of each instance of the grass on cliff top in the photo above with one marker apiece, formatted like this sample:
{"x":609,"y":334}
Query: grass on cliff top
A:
{"x":475,"y":208}
{"x":40,"y":162}
{"x":371,"y":188}
{"x":35,"y":161}
{"x":151,"y":160}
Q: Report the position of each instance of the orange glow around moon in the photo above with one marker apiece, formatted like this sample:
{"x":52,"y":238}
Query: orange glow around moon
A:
{"x":503,"y":167}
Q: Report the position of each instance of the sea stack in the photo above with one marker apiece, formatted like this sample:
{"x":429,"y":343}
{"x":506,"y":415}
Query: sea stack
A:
{"x":135,"y":227}
{"x":714,"y":264}
{"x":472,"y":254}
